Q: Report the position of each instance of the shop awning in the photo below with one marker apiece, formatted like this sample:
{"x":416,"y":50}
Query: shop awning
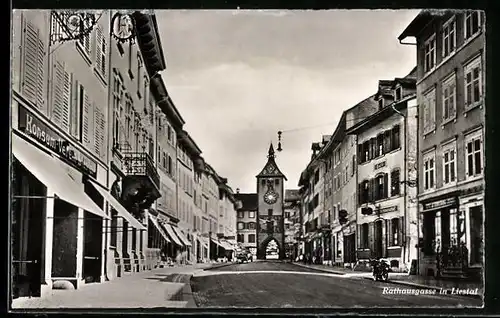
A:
{"x":203,"y":241}
{"x":52,"y":174}
{"x":118,"y":207}
{"x":226,"y":246}
{"x":216,"y":242}
{"x":172,"y":234}
{"x":158,"y":227}
{"x":181,"y":235}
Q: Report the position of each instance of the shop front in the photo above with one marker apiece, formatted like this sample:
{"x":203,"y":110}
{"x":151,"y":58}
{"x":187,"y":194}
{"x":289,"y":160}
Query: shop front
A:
{"x":57,"y":219}
{"x":175,"y":250}
{"x":349,"y":244}
{"x":452,"y":234}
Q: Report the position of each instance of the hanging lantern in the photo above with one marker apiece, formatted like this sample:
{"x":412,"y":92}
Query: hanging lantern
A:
{"x":279,"y":141}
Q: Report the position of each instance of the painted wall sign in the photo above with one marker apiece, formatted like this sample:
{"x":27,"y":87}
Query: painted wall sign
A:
{"x":440,"y":204}
{"x":379,"y":165}
{"x":33,"y":127}
{"x":388,"y":209}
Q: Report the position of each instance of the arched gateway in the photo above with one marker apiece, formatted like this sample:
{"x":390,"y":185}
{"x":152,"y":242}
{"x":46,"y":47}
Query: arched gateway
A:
{"x":270,"y":213}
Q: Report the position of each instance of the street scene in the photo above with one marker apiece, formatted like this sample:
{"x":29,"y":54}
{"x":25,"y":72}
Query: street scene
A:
{"x":306,"y":159}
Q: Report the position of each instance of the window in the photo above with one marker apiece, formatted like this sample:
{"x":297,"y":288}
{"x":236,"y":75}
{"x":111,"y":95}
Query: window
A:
{"x":399,"y":93}
{"x":170,"y":168}
{"x":353,"y":165}
{"x":472,"y":23}
{"x":449,"y":164}
{"x":84,"y":44}
{"x":130,"y":72}
{"x":474,"y":156}
{"x":395,"y":133}
{"x":241,"y":238}
{"x":430,"y":54}
{"x":429,"y":110}
{"x":364,"y":190}
{"x":429,"y":170}
{"x":139,"y":76}
{"x":251,"y":214}
{"x":394,"y":233}
{"x":33,"y":65}
{"x":449,"y":98}
{"x":269,"y":212}
{"x":381,"y":187}
{"x":251,"y":225}
{"x":449,"y":37}
{"x":473,"y":83}
{"x":395,"y":182}
{"x":387,"y":136}
{"x":346,"y":173}
{"x":316,"y":176}
{"x":380,"y":145}
{"x":276,"y":182}
{"x":251,"y":238}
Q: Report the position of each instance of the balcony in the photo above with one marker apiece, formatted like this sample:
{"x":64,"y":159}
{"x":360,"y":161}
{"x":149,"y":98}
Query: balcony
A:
{"x":141,"y":184}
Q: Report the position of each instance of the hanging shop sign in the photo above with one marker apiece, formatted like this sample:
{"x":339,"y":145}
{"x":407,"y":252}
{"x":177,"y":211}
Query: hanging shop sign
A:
{"x":440,"y":204}
{"x":123,"y":27}
{"x":35,"y":128}
{"x":388,"y":209}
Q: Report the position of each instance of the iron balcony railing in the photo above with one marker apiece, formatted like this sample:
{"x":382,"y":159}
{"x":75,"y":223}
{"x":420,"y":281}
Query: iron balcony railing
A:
{"x":141,"y":164}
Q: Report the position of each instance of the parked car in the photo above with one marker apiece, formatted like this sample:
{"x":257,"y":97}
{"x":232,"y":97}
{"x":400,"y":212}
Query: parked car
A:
{"x":242,"y":258}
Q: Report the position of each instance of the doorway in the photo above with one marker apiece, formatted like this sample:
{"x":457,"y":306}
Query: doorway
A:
{"x":92,"y":247}
{"x":377,"y":240}
{"x":349,"y":248}
{"x":28,"y":224}
{"x":476,"y":235}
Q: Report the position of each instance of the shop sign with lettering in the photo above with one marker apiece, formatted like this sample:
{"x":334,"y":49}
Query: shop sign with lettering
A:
{"x":440,"y":204}
{"x":388,"y":209}
{"x":35,"y":128}
{"x":379,"y":165}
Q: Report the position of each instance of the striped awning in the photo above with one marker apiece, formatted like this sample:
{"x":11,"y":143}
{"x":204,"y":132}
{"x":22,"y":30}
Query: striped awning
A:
{"x":181,"y":235}
{"x":171,"y":234}
{"x":158,"y":227}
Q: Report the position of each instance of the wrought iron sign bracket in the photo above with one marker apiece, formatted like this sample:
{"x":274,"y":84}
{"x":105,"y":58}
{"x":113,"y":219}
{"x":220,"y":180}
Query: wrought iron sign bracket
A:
{"x":70,"y":26}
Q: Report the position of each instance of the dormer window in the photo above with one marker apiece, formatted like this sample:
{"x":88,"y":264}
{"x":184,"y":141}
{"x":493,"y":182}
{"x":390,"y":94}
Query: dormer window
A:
{"x":381,"y":103}
{"x":399,"y":93}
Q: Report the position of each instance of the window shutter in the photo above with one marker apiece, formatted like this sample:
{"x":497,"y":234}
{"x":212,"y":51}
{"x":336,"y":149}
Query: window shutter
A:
{"x":373,"y":189}
{"x":88,"y":121}
{"x":99,"y":39}
{"x":68,"y":79}
{"x":75,"y":109}
{"x":384,"y":238}
{"x":388,"y":224}
{"x":401,"y":234}
{"x":360,"y":193}
{"x":371,"y":241}
{"x":386,"y":186}
{"x":99,"y":132}
{"x":374,"y":147}
{"x":33,"y":63}
{"x":57,"y":92}
{"x":358,"y":236}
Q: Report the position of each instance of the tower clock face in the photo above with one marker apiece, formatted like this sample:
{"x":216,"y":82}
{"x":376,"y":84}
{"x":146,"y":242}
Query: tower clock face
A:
{"x":270,"y":197}
{"x":270,"y":169}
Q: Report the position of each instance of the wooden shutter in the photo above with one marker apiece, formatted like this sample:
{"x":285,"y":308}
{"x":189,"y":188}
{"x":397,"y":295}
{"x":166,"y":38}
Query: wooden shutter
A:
{"x":57,"y":92}
{"x":75,"y":109}
{"x":371,"y":240}
{"x":360,"y":193}
{"x":372,"y":189}
{"x":358,"y":236}
{"x":384,"y":237}
{"x":390,"y":236}
{"x":98,"y":49}
{"x":401,"y":234}
{"x":33,"y":65}
{"x":88,"y":121}
{"x":99,"y":132}
{"x":386,"y":186}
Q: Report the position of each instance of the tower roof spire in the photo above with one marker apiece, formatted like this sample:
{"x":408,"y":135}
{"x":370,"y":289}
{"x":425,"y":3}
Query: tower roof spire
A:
{"x":270,"y":153}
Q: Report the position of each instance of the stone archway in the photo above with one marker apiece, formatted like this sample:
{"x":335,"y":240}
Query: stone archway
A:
{"x":270,"y":248}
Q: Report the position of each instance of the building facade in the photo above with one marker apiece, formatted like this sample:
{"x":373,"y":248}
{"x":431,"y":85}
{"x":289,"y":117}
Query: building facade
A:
{"x":386,"y":155}
{"x":450,"y":91}
{"x":246,"y":221}
{"x":292,"y":223}
{"x":59,"y":152}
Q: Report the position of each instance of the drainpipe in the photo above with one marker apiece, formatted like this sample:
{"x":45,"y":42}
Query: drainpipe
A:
{"x":405,"y":182}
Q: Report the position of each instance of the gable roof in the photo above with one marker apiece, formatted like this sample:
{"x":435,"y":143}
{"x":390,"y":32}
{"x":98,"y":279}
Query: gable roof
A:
{"x":249,"y":201}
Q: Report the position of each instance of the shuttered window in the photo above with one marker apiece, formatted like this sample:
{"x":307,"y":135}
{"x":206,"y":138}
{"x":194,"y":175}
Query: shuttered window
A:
{"x":33,"y":65}
{"x":84,"y":44}
{"x":99,"y":132}
{"x":88,"y":121}
{"x":101,"y":52}
{"x":61,"y":96}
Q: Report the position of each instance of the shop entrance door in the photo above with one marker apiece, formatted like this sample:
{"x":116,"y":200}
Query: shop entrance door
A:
{"x":476,"y":235}
{"x":28,"y":223}
{"x":378,"y":240}
{"x":92,"y":231}
{"x":349,"y":249}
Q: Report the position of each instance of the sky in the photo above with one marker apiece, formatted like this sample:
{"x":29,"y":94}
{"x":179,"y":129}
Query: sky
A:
{"x":238,"y":77}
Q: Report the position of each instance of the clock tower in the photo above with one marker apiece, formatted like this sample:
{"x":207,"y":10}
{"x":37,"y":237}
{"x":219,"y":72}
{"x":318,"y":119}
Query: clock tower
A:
{"x":270,"y":213}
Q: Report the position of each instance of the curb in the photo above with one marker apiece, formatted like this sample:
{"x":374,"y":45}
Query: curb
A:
{"x":437,"y":289}
{"x":218,"y":266}
{"x":320,"y":269}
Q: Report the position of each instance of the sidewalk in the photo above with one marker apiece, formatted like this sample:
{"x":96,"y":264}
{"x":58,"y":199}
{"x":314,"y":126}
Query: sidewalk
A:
{"x":469,"y":288}
{"x":161,"y":287}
